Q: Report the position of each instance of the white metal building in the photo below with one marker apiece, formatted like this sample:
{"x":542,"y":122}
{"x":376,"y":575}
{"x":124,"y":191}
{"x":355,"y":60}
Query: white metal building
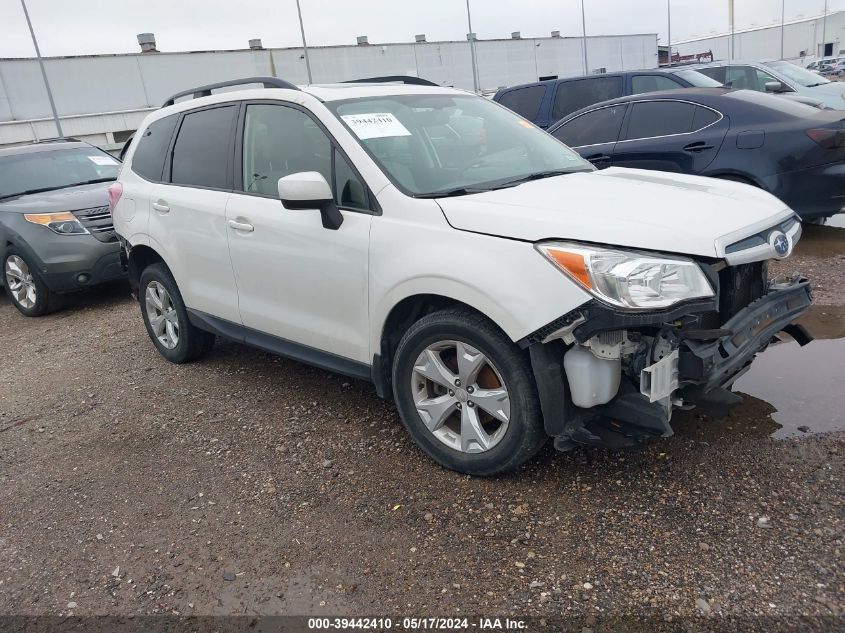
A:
{"x":102,"y":98}
{"x":802,"y":38}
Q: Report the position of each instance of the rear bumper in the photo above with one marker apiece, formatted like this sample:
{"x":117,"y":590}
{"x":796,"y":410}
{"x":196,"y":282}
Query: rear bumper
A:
{"x":717,"y":363}
{"x":812,"y":193}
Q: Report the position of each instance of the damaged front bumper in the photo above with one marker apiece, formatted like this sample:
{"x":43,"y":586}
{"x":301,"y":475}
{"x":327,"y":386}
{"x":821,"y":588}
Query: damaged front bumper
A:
{"x":695,"y":365}
{"x":718,"y":363}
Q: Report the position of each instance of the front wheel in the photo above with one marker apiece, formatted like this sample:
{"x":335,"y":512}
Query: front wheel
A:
{"x":466,"y":394}
{"x":25,"y":287}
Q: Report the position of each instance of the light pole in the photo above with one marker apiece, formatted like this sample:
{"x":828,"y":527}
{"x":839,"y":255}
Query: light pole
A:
{"x":471,"y":36}
{"x":43,"y":71}
{"x":824,"y":31}
{"x":304,"y":43}
{"x":584,"y":37}
{"x":731,"y":15}
{"x":782,"y":21}
{"x":669,"y":27}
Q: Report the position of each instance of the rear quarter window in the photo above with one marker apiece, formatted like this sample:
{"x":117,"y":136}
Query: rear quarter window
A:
{"x":580,"y":93}
{"x":653,"y":83}
{"x":524,"y":101}
{"x":148,"y":159}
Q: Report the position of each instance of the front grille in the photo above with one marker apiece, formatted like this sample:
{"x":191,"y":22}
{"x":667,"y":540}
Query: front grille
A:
{"x":98,"y":222}
{"x":740,"y":286}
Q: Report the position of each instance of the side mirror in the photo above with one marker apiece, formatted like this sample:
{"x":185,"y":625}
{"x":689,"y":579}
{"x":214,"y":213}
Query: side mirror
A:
{"x":777,"y":86}
{"x":309,"y":190}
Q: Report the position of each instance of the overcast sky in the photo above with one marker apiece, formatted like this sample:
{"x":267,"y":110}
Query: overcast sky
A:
{"x":71,"y":27}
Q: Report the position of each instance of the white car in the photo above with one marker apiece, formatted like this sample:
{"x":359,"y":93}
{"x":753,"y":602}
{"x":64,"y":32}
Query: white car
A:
{"x":480,"y":273}
{"x":778,"y":77}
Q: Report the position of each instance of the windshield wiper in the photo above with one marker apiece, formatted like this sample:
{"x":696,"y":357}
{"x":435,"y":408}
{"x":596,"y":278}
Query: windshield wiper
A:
{"x":91,"y":182}
{"x":538,"y":175}
{"x":448,"y":193}
{"x":27,"y":192}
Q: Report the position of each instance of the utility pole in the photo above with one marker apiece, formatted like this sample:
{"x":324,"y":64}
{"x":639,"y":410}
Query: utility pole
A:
{"x":471,"y":36}
{"x":669,"y":27}
{"x":584,"y":37}
{"x":304,"y":43}
{"x":782,"y":22}
{"x":43,"y":71}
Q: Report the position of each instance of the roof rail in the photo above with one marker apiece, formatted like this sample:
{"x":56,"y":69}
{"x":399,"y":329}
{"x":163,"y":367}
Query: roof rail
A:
{"x":205,"y":91}
{"x":405,"y":79}
{"x":57,"y":139}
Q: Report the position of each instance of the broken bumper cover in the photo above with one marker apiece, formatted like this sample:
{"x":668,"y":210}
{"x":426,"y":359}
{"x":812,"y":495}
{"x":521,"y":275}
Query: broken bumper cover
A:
{"x":717,"y":363}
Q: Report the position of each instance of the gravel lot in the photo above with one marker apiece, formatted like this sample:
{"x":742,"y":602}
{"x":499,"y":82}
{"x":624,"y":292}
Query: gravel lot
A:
{"x":249,"y":484}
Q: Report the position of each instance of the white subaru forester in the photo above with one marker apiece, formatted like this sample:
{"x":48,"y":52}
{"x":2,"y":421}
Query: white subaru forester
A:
{"x":494,"y":284}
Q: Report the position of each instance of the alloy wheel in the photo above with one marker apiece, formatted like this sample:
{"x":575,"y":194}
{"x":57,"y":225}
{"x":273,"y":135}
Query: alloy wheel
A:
{"x":162,"y":315}
{"x":20,"y":282}
{"x":460,"y":396}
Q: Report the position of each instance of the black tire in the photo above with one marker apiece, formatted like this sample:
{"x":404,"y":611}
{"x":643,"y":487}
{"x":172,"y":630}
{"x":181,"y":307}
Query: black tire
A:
{"x":192,"y":342}
{"x":524,"y":435}
{"x":46,"y":300}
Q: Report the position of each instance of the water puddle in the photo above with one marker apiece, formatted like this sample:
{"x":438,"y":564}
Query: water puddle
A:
{"x":806,"y":385}
{"x":823,"y":241}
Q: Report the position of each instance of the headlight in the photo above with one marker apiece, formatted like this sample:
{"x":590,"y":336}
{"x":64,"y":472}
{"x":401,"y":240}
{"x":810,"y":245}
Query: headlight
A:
{"x":626,"y":279}
{"x":63,"y":223}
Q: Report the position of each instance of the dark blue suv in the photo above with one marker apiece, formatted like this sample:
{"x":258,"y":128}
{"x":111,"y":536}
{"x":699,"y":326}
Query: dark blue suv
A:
{"x":545,"y":102}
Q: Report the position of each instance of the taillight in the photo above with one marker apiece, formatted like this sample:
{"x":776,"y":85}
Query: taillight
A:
{"x":827,"y":137}
{"x":115,"y":191}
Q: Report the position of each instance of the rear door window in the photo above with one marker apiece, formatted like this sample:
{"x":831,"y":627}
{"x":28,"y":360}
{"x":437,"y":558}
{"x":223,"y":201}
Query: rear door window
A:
{"x":148,"y":160}
{"x":524,"y":101}
{"x":653,"y":83}
{"x":580,"y":93}
{"x":203,"y":148}
{"x":742,"y":78}
{"x":592,"y":128}
{"x":714,"y":72}
{"x":659,"y":118}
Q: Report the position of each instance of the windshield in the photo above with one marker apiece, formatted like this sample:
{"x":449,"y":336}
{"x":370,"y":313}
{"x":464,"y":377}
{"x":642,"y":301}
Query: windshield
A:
{"x":799,"y":75}
{"x":54,"y":169}
{"x":697,"y":79}
{"x":453,"y":144}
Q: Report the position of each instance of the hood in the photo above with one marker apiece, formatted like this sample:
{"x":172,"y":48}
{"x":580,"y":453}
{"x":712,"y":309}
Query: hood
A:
{"x":830,"y":94}
{"x":631,"y":208}
{"x":68,"y":199}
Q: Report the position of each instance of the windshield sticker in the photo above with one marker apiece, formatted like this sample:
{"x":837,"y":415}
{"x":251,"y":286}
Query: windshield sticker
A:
{"x":102,"y":160}
{"x":375,"y":125}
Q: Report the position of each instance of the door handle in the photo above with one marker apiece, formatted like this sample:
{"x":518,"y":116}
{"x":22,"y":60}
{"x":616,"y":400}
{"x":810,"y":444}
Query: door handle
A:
{"x":161,"y":207}
{"x":698,"y":146}
{"x":241,"y":226}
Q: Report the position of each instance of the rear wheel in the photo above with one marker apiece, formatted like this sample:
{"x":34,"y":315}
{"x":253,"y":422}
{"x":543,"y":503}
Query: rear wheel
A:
{"x":166,"y":317}
{"x":25,"y":287}
{"x":466,"y":394}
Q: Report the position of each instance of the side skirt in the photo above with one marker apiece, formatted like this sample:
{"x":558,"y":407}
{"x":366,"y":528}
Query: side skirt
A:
{"x":276,"y":345}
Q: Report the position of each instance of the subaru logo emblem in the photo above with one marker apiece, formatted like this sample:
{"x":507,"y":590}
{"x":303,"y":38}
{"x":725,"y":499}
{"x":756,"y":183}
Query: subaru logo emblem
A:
{"x":780,"y":243}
